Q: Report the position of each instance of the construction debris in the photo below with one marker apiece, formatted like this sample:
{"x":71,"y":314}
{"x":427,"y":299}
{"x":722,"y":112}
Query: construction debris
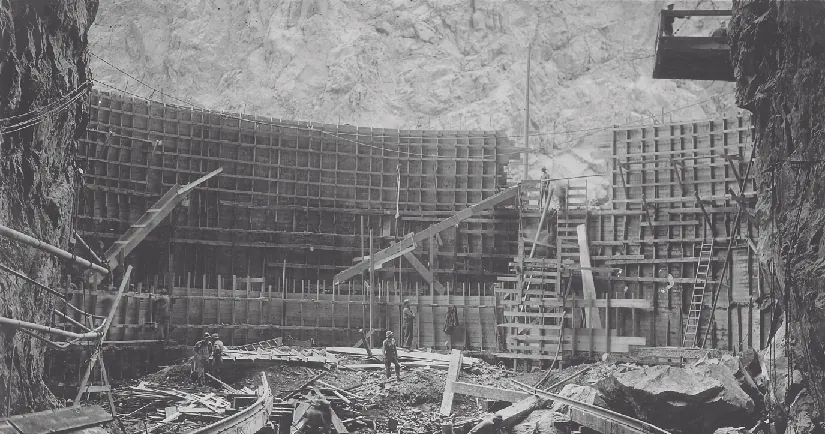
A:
{"x":421,"y":358}
{"x":168,"y":409}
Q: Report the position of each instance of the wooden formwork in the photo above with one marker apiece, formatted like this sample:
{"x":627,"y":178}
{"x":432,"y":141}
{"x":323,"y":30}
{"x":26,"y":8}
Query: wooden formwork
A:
{"x":301,"y":192}
{"x":671,"y":188}
{"x":244,"y":310}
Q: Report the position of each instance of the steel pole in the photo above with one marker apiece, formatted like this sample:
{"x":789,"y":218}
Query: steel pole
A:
{"x":94,"y":334}
{"x":48,"y":248}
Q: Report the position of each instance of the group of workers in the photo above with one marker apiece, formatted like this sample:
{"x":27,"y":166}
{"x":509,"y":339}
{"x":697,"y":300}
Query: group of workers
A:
{"x":667,"y":25}
{"x":208,"y":357}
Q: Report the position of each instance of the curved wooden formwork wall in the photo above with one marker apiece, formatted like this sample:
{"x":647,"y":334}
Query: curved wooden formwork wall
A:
{"x":293,"y":196}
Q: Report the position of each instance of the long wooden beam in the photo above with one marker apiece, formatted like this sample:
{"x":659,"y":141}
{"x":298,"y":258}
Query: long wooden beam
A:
{"x":394,"y":250}
{"x":452,"y":376}
{"x":488,"y":392}
{"x":592,"y":315}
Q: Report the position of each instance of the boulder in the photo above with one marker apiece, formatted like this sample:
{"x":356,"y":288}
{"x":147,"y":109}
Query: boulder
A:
{"x":750,"y":361}
{"x":540,"y":421}
{"x":668,"y":396}
{"x":730,"y":372}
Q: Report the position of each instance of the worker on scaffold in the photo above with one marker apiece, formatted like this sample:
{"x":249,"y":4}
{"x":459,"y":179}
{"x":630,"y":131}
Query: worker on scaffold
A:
{"x":546,"y":188}
{"x":667,"y":23}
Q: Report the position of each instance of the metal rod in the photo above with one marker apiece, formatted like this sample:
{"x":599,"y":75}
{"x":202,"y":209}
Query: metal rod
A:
{"x":33,"y":282}
{"x":88,"y":249}
{"x":48,"y":248}
{"x":55,"y":345}
{"x":39,"y":327}
{"x":83,"y":312}
{"x":71,"y":320}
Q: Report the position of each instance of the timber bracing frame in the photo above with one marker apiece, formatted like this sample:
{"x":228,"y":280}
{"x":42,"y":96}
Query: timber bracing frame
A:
{"x":408,"y":244}
{"x":645,"y":205}
{"x":678,"y":166}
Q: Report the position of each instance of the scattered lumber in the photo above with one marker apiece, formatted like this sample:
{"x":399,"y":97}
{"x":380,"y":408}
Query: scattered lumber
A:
{"x":403,"y":355}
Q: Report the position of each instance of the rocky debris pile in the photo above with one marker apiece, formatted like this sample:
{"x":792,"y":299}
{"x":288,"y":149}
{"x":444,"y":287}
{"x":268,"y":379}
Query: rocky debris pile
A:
{"x":666,"y":396}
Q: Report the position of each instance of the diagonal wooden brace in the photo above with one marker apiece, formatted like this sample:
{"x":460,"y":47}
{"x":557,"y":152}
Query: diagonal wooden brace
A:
{"x":424,"y":272}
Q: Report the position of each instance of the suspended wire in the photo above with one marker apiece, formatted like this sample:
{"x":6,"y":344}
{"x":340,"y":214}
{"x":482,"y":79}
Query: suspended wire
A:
{"x":42,"y":116}
{"x":59,"y":101}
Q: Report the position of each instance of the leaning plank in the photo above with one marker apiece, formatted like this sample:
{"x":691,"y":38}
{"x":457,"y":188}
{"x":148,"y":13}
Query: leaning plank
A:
{"x":298,"y":417}
{"x":592,"y":314}
{"x":338,"y":425}
{"x":488,"y":392}
{"x":452,"y":376}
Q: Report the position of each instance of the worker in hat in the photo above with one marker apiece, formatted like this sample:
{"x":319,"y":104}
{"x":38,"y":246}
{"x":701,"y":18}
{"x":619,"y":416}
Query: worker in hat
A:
{"x":390,"y":349}
{"x":407,"y":318}
{"x":721,"y":32}
{"x":546,"y":188}
{"x":494,"y":425}
{"x":162,"y":312}
{"x":203,"y":349}
{"x":318,"y":418}
{"x":667,"y":21}
{"x":217,"y":355}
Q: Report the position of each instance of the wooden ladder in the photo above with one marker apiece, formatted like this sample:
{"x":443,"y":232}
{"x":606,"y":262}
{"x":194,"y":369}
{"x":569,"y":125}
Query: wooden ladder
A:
{"x":698,"y":296}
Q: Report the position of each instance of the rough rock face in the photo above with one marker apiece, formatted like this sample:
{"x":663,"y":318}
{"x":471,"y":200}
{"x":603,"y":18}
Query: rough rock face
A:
{"x":778,"y":51}
{"x":42,"y":59}
{"x":668,"y":396}
{"x":440,"y":64}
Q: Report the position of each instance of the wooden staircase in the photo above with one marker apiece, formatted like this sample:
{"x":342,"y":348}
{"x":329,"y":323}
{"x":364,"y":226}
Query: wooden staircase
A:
{"x":532,"y":323}
{"x":698,"y":296}
{"x":572,"y":213}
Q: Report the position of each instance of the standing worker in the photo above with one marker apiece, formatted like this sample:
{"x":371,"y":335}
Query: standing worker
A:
{"x":489,"y":426}
{"x":217,"y":355}
{"x":545,"y":187}
{"x":721,"y":32}
{"x":391,"y":355}
{"x":162,"y":310}
{"x":667,"y":24}
{"x":200,"y":358}
{"x":407,"y":326}
{"x":318,"y":418}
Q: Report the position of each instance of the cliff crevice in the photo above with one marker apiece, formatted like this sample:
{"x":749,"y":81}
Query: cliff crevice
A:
{"x":43,"y":88}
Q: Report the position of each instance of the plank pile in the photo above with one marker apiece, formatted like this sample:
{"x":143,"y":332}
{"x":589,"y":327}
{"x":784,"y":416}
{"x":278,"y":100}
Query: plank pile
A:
{"x":163,"y":409}
{"x":268,"y":352}
{"x":422,"y":359}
